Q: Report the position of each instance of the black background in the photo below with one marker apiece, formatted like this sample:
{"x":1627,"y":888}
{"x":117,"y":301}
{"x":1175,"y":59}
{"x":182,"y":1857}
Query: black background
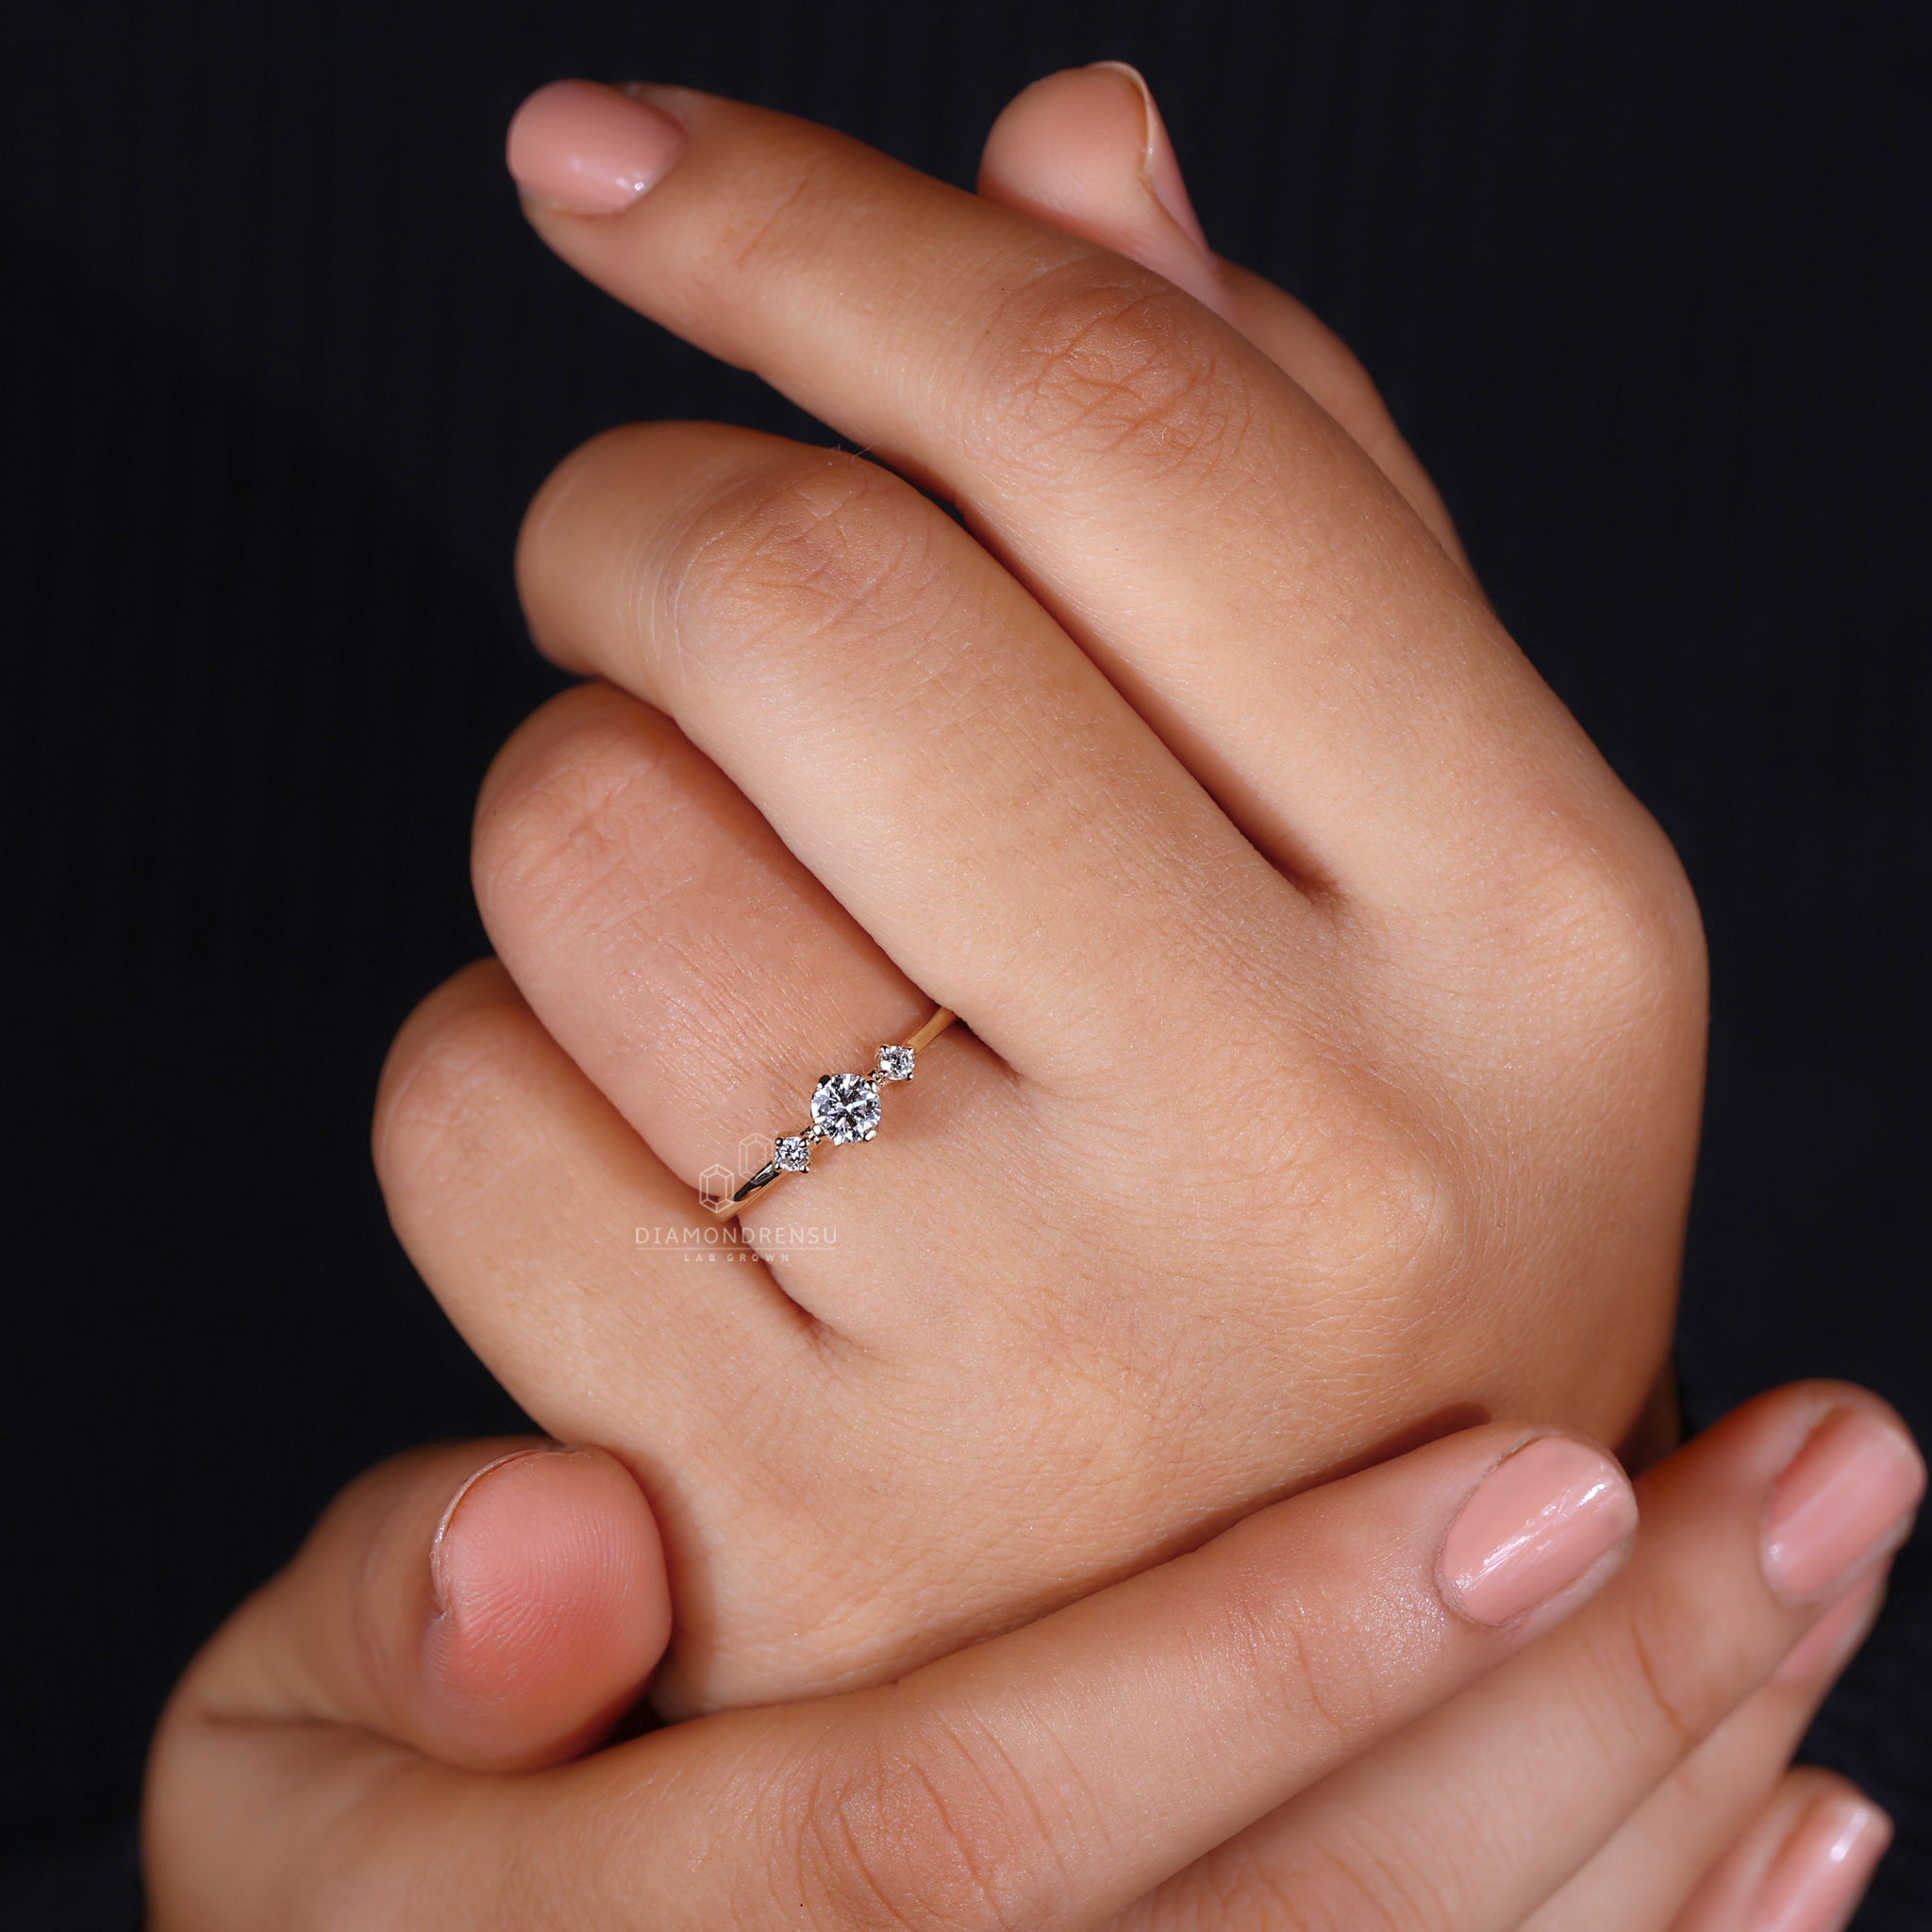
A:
{"x":1645,"y":284}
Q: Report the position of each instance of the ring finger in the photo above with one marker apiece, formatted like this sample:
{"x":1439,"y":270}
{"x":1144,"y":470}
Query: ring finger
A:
{"x":702,"y":977}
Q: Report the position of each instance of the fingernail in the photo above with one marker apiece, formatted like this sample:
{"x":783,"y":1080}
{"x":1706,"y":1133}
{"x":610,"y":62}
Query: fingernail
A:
{"x":1158,"y":158}
{"x":1844,"y":1500}
{"x":1831,"y":1643}
{"x":443,"y":1563}
{"x":1819,"y":1874}
{"x":590,"y":149}
{"x":1539,"y":1521}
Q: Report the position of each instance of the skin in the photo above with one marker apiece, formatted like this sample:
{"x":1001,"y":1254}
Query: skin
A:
{"x":1298,"y":1723}
{"x":1336,"y":1017}
{"x":386,"y":1734}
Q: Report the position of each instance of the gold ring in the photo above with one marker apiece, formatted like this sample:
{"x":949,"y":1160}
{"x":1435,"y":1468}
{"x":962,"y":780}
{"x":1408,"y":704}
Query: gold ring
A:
{"x":844,"y":1108}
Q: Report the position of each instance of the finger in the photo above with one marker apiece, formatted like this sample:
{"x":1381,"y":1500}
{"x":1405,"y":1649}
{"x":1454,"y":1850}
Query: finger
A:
{"x":1747,"y":1533}
{"x":1086,"y":150}
{"x":1244,"y":574}
{"x":1802,"y":1866}
{"x":507,"y":1173}
{"x":913,"y":728}
{"x":1044,"y":1777}
{"x":1058,"y":1771}
{"x":703,"y":979}
{"x":575,"y":1262}
{"x":562,"y":1248}
{"x":1295,"y":337}
{"x":1649,"y":1871}
{"x":491,"y":1605}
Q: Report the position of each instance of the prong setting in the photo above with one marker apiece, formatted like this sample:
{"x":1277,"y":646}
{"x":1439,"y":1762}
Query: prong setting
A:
{"x":845,"y":1106}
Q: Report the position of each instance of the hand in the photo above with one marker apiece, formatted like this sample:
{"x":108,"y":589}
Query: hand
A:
{"x":1270,"y":1726}
{"x":1336,"y":1015}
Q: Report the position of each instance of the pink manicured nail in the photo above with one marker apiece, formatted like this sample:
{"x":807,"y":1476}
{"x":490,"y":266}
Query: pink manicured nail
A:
{"x":588,"y":148}
{"x":1844,"y":1500}
{"x":1818,"y":1878}
{"x":1162,"y":165}
{"x":1540,"y":1519}
{"x":1831,"y":1643}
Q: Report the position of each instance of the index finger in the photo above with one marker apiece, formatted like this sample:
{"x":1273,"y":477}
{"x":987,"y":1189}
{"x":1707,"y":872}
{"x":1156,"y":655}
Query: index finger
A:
{"x":1050,"y":1777}
{"x":1748,"y":1532}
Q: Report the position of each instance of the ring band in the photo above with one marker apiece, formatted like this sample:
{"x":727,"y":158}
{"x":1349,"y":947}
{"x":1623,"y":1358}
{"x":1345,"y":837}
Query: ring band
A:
{"x":844,"y":1107}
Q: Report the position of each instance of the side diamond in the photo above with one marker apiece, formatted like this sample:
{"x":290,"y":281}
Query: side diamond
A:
{"x":895,"y":1063}
{"x":792,"y":1152}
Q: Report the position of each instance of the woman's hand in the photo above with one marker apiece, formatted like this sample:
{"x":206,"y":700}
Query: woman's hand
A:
{"x":1336,"y":1016}
{"x":1363,"y":1706}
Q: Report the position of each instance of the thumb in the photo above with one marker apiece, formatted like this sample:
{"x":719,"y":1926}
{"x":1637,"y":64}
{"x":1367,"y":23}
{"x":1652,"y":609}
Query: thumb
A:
{"x":495,"y":1605}
{"x":1086,"y":150}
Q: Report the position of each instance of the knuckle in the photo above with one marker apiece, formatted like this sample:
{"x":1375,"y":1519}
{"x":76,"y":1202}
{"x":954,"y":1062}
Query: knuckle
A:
{"x":1617,"y":927}
{"x":568,"y":806}
{"x":1321,"y":1654}
{"x":1377,"y":1210}
{"x":1397,"y":1213}
{"x":442,"y":1127}
{"x":1094,"y":359}
{"x":808,"y":546}
{"x":1667,"y":1673}
{"x":911,"y":1832}
{"x":1344,"y":1169}
{"x":785,"y":199}
{"x":1678,"y":1686}
{"x":1276,"y":1640}
{"x":1351,"y":1878}
{"x":586,"y":491}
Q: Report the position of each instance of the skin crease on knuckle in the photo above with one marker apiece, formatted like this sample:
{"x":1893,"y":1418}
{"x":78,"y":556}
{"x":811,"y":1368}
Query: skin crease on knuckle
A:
{"x":1360,"y":1882}
{"x":562,"y":812}
{"x":824,"y":555}
{"x":926,"y":1829}
{"x":441,"y":1127}
{"x":783,"y":185}
{"x":774,"y":563}
{"x":1098,"y":365}
{"x":1250,"y":1894}
{"x":791,"y":583}
{"x":1673,"y":1669}
{"x":1086,"y":347}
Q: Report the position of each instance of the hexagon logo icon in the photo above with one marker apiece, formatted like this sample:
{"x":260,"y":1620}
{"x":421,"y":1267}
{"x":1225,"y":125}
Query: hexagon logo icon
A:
{"x":716,"y":1185}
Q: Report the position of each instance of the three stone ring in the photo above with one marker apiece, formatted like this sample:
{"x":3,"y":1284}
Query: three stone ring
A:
{"x":844,"y":1108}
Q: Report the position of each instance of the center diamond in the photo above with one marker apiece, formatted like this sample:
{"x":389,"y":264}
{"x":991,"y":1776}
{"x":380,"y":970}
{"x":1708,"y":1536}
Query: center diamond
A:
{"x":845,"y":1106}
